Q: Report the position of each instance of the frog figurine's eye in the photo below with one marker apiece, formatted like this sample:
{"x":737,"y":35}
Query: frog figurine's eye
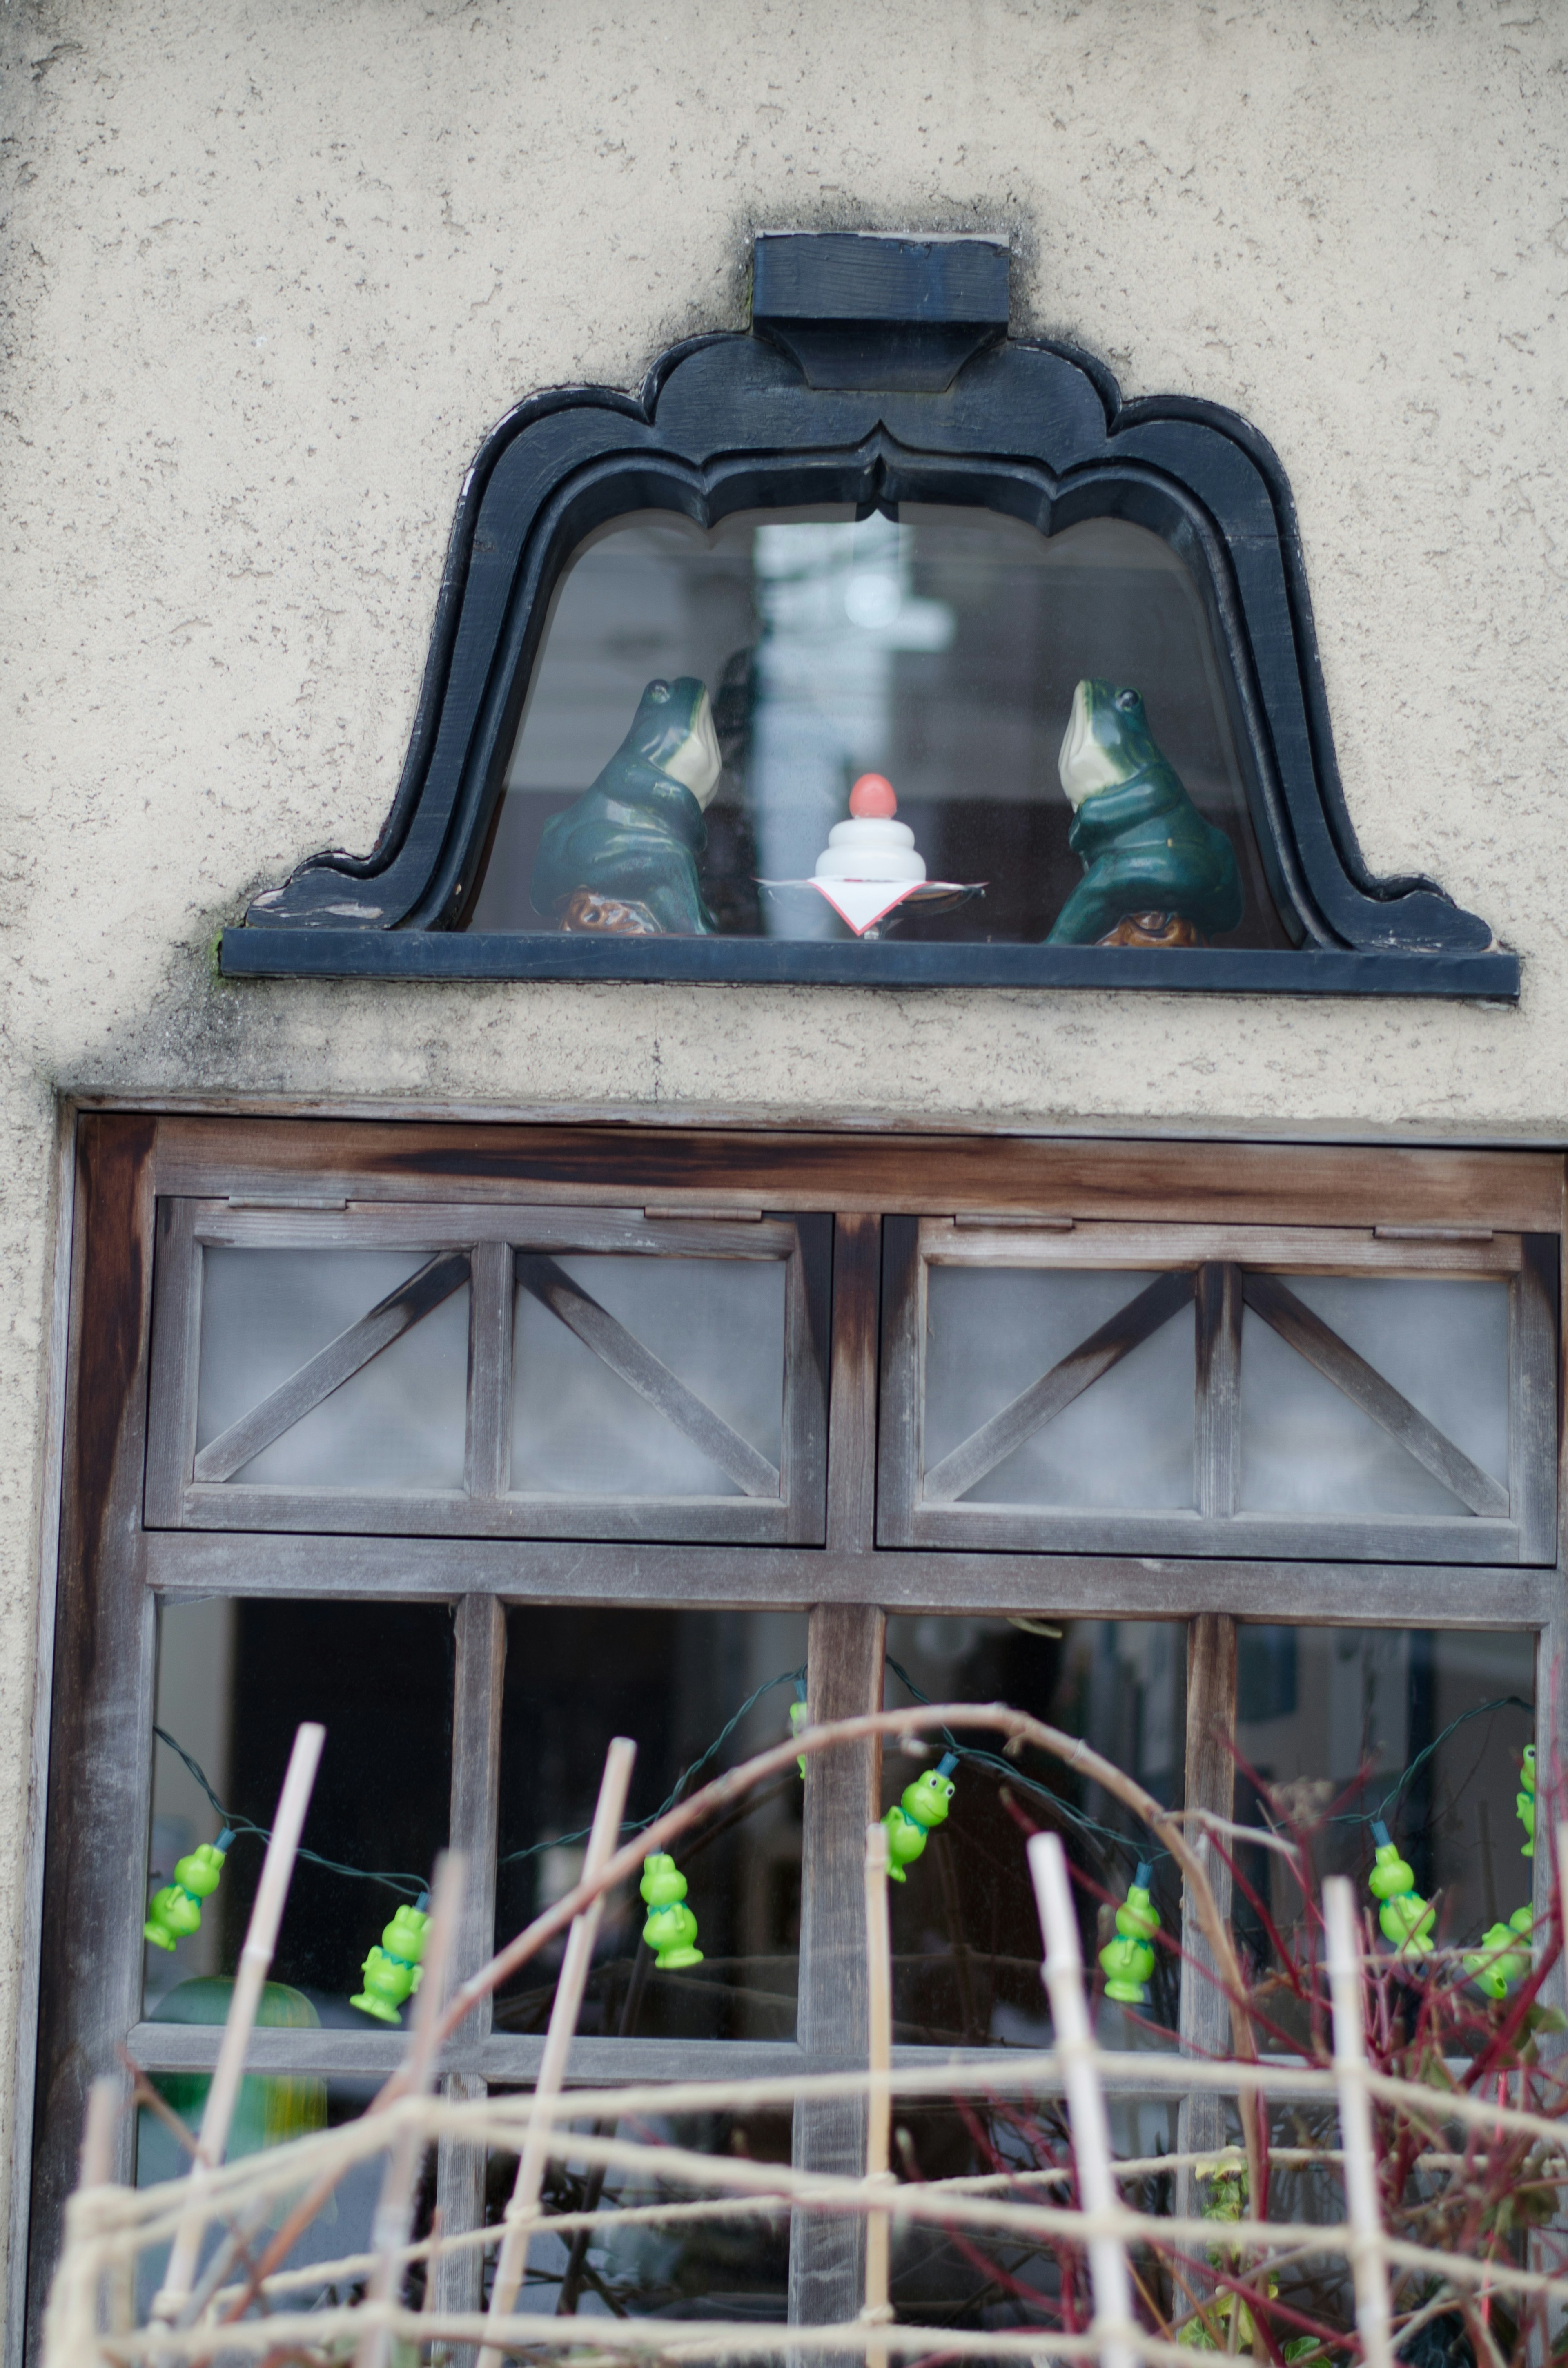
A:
{"x":1125,"y":700}
{"x":658,"y":692}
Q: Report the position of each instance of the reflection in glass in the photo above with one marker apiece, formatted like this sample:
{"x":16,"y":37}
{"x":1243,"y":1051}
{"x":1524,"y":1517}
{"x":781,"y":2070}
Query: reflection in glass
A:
{"x":672,"y":1681}
{"x":1306,"y":1448}
{"x":579,"y":1430}
{"x":235,"y":1679}
{"x":398,"y":1423}
{"x":939,"y":649}
{"x":1339,"y":1729}
{"x":729,"y":2267}
{"x":992,"y":1332}
{"x":965,"y":1932}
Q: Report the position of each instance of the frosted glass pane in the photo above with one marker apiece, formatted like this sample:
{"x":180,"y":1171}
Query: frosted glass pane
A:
{"x":579,"y":1430}
{"x":1307,"y":1449}
{"x":397,"y":1425}
{"x":992,"y":1331}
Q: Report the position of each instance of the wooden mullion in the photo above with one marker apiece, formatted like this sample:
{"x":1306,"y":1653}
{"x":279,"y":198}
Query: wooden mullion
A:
{"x":1204,"y":2025}
{"x":1154,"y":1180}
{"x":175,"y":1359}
{"x":901,"y":1430}
{"x":852,"y":1448}
{"x":808,"y":1330}
{"x":1217,"y":1406}
{"x":101,"y":1713}
{"x":1532,"y":1399}
{"x":843,"y":1793}
{"x":481,"y":1659}
{"x":488,"y":1455}
{"x":1078,"y":1587}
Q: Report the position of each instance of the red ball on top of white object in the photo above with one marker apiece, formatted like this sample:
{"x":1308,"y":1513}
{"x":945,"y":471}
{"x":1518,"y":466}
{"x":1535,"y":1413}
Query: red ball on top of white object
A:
{"x":870,"y":844}
{"x":872,"y":799}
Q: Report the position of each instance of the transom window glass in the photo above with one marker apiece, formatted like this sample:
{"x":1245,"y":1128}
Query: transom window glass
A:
{"x":703,"y":705}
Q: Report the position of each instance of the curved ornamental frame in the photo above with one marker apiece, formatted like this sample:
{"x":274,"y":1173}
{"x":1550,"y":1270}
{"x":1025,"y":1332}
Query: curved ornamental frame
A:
{"x":877,"y":371}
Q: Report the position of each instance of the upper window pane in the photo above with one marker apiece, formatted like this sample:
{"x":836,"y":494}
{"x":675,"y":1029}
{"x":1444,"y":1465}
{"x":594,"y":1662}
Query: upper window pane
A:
{"x":1309,"y":1448}
{"x":580,"y":1428}
{"x":992,"y":1331}
{"x":941,"y":650}
{"x":398,"y":1419}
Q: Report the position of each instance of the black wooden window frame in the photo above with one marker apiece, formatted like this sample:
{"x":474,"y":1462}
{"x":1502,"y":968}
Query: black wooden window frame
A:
{"x":145,"y":1189}
{"x":876,"y":369}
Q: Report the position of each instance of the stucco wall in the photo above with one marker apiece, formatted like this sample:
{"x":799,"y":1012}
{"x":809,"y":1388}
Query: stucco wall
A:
{"x":273,"y":267}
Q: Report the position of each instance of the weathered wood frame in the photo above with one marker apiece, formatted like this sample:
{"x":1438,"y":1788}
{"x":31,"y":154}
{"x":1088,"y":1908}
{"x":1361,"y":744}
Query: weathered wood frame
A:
{"x":133,"y":1175}
{"x":1214,"y":1270}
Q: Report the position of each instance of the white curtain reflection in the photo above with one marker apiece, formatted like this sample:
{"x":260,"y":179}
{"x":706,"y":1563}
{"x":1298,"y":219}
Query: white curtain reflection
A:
{"x":1126,"y":1442}
{"x":1306,"y":1448}
{"x":397,"y":1425}
{"x":578,"y":1430}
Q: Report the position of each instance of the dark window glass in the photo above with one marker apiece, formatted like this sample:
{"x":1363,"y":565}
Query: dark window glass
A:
{"x":939,"y":650}
{"x":672,"y":1681}
{"x":1423,"y":1730}
{"x":965,"y":1929}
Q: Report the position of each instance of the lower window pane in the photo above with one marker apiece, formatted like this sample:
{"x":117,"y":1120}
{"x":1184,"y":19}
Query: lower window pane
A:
{"x":673,"y":1681}
{"x":272,"y":2109}
{"x":1423,"y":1730}
{"x":235,"y":1679}
{"x":734,"y":2264}
{"x":965,"y":1934}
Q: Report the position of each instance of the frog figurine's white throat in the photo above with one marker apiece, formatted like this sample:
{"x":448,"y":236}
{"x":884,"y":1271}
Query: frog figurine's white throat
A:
{"x":870,"y":844}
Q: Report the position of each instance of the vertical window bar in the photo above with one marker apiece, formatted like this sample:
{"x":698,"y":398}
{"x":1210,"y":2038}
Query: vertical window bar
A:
{"x":476,"y":1769}
{"x":843,"y":1793}
{"x":1532,"y":1399}
{"x":489,"y":1454}
{"x":1205,"y":2019}
{"x":177,"y":1343}
{"x":1217,"y":1409}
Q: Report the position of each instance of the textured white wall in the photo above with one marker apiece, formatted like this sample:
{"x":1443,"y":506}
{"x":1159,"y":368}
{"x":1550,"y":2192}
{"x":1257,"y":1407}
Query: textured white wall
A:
{"x":273,"y":267}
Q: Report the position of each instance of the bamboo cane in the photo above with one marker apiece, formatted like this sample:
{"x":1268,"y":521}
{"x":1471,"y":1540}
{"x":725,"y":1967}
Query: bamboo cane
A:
{"x":1112,"y":2324}
{"x":256,"y":1961}
{"x":523,"y":2209}
{"x":1368,"y":2262}
{"x":879,"y":2102}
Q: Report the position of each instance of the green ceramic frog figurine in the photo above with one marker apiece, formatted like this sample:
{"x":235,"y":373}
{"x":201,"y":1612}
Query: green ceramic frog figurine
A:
{"x":924,"y":1803}
{"x":671,"y":1929}
{"x":1129,"y":1961}
{"x":392,"y":1972}
{"x":623,"y":859}
{"x":1154,"y":872}
{"x":1404,"y":1917}
{"x":174,"y":1913}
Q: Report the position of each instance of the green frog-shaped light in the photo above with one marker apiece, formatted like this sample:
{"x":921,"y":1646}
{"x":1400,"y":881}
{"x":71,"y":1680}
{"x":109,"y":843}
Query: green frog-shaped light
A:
{"x":1404,"y":1917}
{"x":1524,"y":1801}
{"x":1129,"y":1961}
{"x":1504,"y":1956}
{"x":175,"y":1913}
{"x":392,"y":1972}
{"x":924,"y":1803}
{"x":671,"y":1929}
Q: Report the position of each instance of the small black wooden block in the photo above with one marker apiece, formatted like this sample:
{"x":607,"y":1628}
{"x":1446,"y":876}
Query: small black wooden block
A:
{"x":861,"y":309}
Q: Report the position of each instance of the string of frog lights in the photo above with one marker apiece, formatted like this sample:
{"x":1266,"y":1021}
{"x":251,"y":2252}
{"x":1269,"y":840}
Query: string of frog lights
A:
{"x":392,"y":1971}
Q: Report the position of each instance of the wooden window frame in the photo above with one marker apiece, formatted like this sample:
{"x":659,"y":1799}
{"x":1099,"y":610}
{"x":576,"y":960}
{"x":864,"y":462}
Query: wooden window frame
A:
{"x":132,"y":1173}
{"x":1215,"y":1269}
